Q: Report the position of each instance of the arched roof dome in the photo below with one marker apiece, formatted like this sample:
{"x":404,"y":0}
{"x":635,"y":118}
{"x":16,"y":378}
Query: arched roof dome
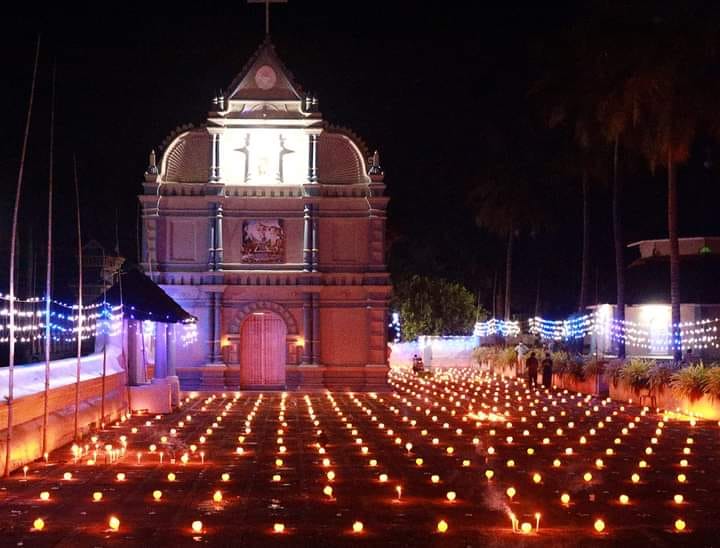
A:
{"x":186,"y":159}
{"x":340,"y":160}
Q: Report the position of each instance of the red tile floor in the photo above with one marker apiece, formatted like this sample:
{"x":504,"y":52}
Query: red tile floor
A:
{"x":433,"y":463}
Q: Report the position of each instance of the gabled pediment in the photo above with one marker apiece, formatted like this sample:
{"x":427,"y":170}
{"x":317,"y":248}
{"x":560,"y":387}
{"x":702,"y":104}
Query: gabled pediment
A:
{"x":264,"y":78}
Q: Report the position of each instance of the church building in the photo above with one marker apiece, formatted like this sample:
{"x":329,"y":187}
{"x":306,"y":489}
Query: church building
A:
{"x":268,"y":225}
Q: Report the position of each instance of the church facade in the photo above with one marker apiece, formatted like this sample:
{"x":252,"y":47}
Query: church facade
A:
{"x":268,"y":225}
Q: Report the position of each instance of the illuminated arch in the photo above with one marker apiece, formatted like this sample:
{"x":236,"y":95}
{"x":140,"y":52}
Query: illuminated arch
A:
{"x":264,"y":306}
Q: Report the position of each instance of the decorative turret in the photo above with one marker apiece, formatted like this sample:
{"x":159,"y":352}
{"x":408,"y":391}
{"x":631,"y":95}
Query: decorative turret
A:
{"x":218,"y":102}
{"x":151,"y":172}
{"x":376,"y":172}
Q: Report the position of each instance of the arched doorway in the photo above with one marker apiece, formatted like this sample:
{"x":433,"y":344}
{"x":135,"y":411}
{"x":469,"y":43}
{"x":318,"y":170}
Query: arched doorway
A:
{"x":263,"y":350}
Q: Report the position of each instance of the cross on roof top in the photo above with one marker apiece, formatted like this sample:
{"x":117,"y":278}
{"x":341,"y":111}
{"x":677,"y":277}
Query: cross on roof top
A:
{"x":267,"y":10}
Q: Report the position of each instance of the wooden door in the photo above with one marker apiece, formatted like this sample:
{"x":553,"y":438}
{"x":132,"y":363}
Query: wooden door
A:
{"x":262,"y":350}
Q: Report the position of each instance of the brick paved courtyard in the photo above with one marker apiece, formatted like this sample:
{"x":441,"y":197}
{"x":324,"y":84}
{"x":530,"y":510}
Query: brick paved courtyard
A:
{"x":431,"y":464}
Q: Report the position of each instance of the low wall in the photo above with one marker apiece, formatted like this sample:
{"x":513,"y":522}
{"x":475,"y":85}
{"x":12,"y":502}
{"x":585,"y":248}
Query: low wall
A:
{"x":444,"y":352}
{"x":595,"y":384}
{"x":705,"y":407}
{"x":26,"y":444}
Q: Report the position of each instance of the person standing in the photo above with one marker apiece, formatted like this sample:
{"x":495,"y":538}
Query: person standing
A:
{"x":521,"y":349}
{"x":532,"y":370}
{"x":547,"y":367}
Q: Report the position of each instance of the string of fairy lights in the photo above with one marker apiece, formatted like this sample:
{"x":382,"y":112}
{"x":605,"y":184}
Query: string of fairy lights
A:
{"x":68,"y":320}
{"x":656,"y":337}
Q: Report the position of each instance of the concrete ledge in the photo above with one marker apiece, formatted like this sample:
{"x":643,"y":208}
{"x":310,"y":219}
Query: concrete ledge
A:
{"x":153,"y":398}
{"x":360,"y":378}
{"x":28,"y":410}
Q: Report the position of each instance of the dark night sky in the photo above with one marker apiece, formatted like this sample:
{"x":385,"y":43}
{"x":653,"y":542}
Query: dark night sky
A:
{"x":424,"y":87}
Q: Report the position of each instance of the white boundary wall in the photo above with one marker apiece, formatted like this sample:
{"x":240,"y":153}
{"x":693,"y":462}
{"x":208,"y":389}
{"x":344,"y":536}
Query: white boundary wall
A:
{"x":435,"y":351}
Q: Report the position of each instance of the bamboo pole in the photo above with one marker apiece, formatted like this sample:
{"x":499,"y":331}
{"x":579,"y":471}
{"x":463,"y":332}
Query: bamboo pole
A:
{"x":105,"y":336}
{"x":13,"y":240}
{"x":80,"y":301}
{"x":48,"y":271}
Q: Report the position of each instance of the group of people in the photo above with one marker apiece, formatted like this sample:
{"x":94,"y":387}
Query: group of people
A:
{"x":532,"y":365}
{"x":532,"y":370}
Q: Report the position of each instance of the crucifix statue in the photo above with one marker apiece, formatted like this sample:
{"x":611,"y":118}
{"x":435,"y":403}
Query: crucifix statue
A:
{"x":267,"y":10}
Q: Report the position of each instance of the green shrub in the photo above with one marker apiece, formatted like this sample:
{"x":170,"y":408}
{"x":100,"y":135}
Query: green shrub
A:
{"x":690,"y":382}
{"x":659,"y":377}
{"x":635,"y":374}
{"x":712,"y":386}
{"x":575,"y":371}
{"x":561,"y":357}
{"x":613,"y":373}
{"x":507,"y":356}
{"x":593,"y":367}
{"x":484,"y":354}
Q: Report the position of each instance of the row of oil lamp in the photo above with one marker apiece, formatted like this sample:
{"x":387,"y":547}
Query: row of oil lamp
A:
{"x":282,"y":450}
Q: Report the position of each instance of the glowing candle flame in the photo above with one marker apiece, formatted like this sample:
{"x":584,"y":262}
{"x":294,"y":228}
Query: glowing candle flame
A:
{"x":38,"y":524}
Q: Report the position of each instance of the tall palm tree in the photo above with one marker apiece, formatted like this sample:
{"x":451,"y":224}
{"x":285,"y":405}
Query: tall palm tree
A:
{"x":675,"y":91}
{"x":507,"y":203}
{"x":567,"y":93}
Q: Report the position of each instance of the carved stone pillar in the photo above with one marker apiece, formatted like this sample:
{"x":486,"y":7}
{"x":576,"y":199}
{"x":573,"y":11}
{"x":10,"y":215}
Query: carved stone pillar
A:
{"x":312,"y":158}
{"x":307,"y":238}
{"x":315,"y":238}
{"x":134,"y":359}
{"x":214,"y":157}
{"x":170,"y":347}
{"x":217,"y":328}
{"x":315,"y":346}
{"x":212,"y":262}
{"x":211,"y":327}
{"x":219,"y":237}
{"x":307,"y":328}
{"x":160,"y":350}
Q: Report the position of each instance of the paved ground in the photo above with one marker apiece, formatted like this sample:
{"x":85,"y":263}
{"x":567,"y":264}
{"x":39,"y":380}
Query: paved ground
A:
{"x":364,"y":436}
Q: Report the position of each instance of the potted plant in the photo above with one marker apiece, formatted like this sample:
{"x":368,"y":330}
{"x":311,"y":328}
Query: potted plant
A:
{"x":613,"y":372}
{"x":690,"y":382}
{"x":635,"y":375}
{"x":593,"y":371}
{"x":712,"y":386}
